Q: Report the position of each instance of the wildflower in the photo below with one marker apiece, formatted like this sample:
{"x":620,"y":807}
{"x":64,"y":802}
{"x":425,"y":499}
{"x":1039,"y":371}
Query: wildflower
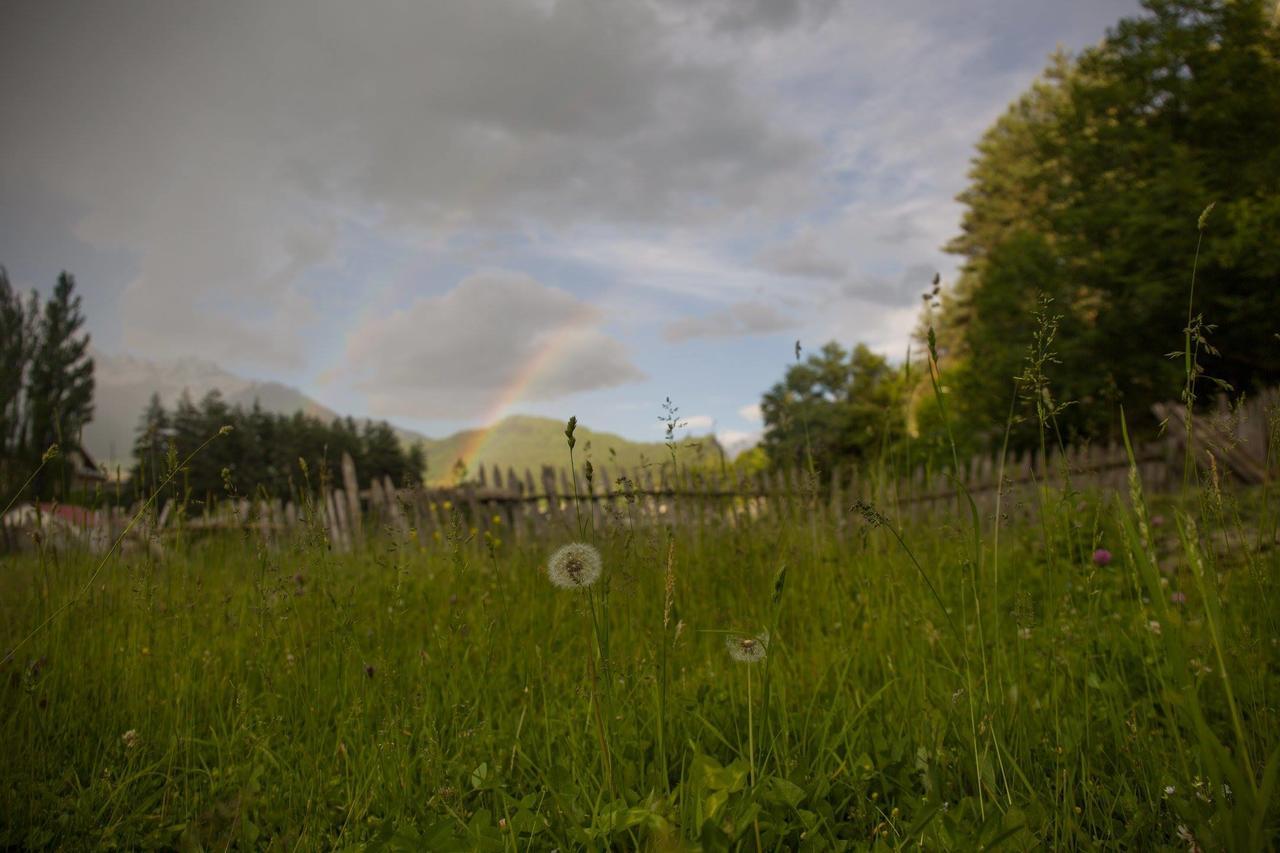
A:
{"x":1101,"y":557}
{"x":748,"y":649}
{"x":1154,"y":627}
{"x":1169,"y":790}
{"x":574,"y":566}
{"x":1178,"y":598}
{"x":1157,"y":521}
{"x":131,"y":739}
{"x":1024,"y":633}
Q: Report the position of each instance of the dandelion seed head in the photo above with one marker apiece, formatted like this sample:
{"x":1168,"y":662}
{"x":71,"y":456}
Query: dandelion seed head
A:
{"x":748,"y":649}
{"x":574,"y":566}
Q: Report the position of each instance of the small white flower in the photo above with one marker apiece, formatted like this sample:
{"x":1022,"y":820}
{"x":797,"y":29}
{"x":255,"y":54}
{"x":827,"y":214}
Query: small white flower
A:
{"x":574,"y":566}
{"x":748,"y":649}
{"x":1169,"y":790}
{"x":1154,"y":627}
{"x":131,"y":739}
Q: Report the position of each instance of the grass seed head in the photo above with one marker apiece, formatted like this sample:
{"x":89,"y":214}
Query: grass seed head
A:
{"x":574,"y":566}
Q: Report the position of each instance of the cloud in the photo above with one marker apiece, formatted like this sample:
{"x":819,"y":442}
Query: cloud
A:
{"x":804,"y":256}
{"x":690,"y":424}
{"x":736,"y":441}
{"x":751,"y":412}
{"x":892,"y":291}
{"x":742,"y":318}
{"x":228,"y":146}
{"x":746,"y":16}
{"x":498,"y":337}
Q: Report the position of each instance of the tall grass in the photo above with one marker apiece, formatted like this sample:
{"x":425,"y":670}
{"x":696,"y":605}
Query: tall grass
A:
{"x":424,"y":695}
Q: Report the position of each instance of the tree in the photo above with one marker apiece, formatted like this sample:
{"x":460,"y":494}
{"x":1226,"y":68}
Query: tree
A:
{"x":18,"y":335}
{"x":417,"y":463}
{"x":61,"y":382}
{"x":835,"y":407}
{"x":1088,"y":191}
{"x":151,"y":444}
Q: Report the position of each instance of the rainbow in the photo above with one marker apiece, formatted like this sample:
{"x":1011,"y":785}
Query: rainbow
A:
{"x":547,"y":353}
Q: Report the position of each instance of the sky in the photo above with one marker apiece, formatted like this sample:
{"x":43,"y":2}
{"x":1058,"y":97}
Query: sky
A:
{"x":439,"y":213}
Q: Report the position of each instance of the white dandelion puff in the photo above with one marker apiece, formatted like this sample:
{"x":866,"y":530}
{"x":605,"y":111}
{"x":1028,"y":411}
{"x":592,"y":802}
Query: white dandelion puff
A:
{"x":574,"y":566}
{"x":748,"y":649}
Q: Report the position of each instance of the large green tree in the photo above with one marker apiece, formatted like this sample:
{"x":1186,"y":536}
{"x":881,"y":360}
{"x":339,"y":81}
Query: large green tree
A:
{"x":1088,"y":191}
{"x":835,"y":407}
{"x":61,"y":383}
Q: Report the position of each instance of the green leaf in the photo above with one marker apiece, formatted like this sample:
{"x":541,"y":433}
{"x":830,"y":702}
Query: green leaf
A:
{"x":783,"y":792}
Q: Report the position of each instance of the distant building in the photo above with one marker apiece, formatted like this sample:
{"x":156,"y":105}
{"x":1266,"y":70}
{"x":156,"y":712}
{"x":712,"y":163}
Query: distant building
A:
{"x":85,"y":473}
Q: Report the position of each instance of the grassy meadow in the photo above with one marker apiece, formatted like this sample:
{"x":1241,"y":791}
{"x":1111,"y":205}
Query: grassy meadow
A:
{"x":939,"y":684}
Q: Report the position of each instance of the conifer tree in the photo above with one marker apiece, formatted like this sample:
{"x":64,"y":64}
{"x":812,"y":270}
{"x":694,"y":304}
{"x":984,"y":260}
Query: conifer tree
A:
{"x":61,"y":384}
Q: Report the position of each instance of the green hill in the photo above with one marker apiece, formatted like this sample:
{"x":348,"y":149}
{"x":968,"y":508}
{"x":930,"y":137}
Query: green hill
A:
{"x":526,"y":442}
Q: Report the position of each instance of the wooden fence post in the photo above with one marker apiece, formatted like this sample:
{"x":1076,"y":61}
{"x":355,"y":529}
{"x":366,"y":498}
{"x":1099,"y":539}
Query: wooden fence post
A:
{"x":352,"y":508}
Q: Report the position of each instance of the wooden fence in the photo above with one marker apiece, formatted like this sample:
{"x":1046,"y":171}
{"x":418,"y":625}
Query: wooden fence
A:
{"x":1232,"y":445}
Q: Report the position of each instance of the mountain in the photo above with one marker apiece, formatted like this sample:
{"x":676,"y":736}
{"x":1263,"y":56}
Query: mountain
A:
{"x":124,"y":386}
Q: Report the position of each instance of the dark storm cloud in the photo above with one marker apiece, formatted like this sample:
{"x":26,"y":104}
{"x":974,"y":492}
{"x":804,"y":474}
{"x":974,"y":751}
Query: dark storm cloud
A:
{"x":226,"y":143}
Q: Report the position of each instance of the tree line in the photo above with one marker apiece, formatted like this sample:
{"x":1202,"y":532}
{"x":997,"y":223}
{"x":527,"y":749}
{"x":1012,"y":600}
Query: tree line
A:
{"x":262,"y":453}
{"x":1119,"y":175}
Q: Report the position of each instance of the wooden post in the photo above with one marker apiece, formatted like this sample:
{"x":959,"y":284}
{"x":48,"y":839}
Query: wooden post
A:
{"x":377,"y":502}
{"x":333,"y":523}
{"x":549,"y":489}
{"x":394,"y":510}
{"x":352,"y":508}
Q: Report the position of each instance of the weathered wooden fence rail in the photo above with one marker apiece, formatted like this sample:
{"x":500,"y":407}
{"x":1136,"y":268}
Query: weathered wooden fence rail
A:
{"x":1231,"y":444}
